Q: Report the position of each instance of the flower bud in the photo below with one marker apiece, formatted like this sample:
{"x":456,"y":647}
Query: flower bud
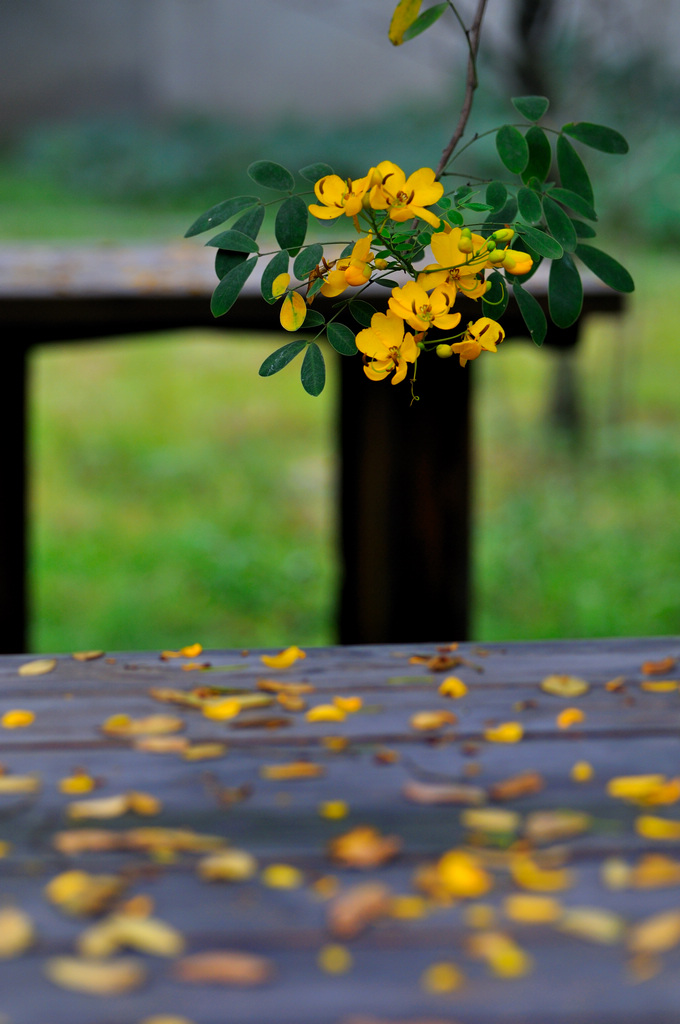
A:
{"x":490,"y":245}
{"x":444,"y":351}
{"x":503,"y":234}
{"x":465,"y":243}
{"x":380,"y":264}
{"x":497,"y":257}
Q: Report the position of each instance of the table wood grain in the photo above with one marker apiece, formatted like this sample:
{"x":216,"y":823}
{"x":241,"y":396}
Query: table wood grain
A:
{"x":626,"y":730}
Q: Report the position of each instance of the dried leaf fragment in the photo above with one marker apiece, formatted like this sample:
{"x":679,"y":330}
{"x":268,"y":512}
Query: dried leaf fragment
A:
{"x":595,"y":924}
{"x":524,"y":784}
{"x":78,"y":893}
{"x":203,"y":751}
{"x":293,"y":770}
{"x":17,"y":933}
{"x":429,"y":721}
{"x":663,"y":665}
{"x":152,"y":725}
{"x":655,"y":870}
{"x":224,"y":967}
{"x":529,"y":875}
{"x":442,"y":793}
{"x":364,"y":847}
{"x":356,"y":908}
{"x":228,"y":866}
{"x":334,"y":958}
{"x":555,"y":826}
{"x":144,"y":934}
{"x":565,"y":686}
{"x":292,"y":689}
{"x":114,"y":806}
{"x":87,"y":655}
{"x":655,"y":934}
{"x":442,"y":977}
{"x":162,"y":744}
{"x":113,"y":978}
{"x":490,"y":819}
{"x":39,"y":667}
{"x":15,"y":784}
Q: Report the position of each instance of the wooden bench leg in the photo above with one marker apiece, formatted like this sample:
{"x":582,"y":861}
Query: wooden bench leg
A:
{"x":405,"y":505}
{"x":13,"y":505}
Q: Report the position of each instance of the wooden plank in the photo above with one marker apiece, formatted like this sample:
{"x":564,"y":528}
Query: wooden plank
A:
{"x":627,"y":730}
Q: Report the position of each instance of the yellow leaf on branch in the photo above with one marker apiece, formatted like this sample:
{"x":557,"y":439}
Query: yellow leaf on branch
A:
{"x":293,"y":311}
{"x":405,"y":13}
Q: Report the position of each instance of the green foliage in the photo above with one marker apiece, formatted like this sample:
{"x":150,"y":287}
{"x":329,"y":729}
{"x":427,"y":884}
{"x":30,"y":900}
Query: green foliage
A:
{"x":598,"y":136}
{"x":573,"y":173}
{"x":424,"y":21}
{"x":559,"y":224}
{"x":307,"y":261}
{"x":540,"y":242}
{"x":565,"y":292}
{"x":540,"y":155}
{"x":496,"y":195}
{"x":281,"y":357}
{"x":236,"y":241}
{"x":532,"y":313}
{"x":606,"y":268}
{"x":228,"y":290}
{"x":362,"y":311}
{"x":341,"y":339}
{"x":277,"y":265}
{"x":529,"y":206}
{"x":313,"y":372}
{"x":312,"y":172}
{"x":271,"y":175}
{"x":220,"y":213}
{"x":512,"y":148}
{"x":290,"y":226}
{"x":531,"y":107}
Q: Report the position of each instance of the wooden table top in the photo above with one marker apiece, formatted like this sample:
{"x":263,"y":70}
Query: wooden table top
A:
{"x":349,"y":906}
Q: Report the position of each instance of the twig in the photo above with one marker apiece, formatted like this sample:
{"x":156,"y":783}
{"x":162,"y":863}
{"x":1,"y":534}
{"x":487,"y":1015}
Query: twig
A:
{"x":472,"y":36}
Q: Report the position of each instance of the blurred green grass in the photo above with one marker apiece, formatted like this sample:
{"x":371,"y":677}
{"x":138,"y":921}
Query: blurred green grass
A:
{"x":177,"y":496}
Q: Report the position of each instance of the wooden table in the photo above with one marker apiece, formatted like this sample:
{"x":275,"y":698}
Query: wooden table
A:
{"x":415,"y":788}
{"x":404,"y":489}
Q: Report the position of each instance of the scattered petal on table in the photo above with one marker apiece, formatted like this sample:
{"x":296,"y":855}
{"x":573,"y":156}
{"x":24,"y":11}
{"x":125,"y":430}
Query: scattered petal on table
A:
{"x":109,"y":978}
{"x":39,"y":667}
{"x":224,"y":967}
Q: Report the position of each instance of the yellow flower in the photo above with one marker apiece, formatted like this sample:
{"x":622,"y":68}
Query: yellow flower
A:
{"x":516,"y":262}
{"x":404,"y":197}
{"x":422,"y":311}
{"x":284,"y":659}
{"x":353,"y":270}
{"x":482,"y":336}
{"x":387,"y":347}
{"x":340,"y":196}
{"x":458,"y":269}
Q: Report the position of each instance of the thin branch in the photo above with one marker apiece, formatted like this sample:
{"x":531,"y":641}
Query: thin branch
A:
{"x":473,"y":45}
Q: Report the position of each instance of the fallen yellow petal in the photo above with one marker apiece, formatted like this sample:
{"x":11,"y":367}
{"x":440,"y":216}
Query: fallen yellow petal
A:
{"x":569,"y":717}
{"x":453,"y":687}
{"x":582,"y":771}
{"x":461,"y":874}
{"x":282,"y":876}
{"x":326,"y":713}
{"x":285,"y":658}
{"x":79,"y":782}
{"x":527,"y":874}
{"x":333,"y":809}
{"x":651,"y":827}
{"x":442,"y":977}
{"x":349,"y":704}
{"x":220,"y":710}
{"x":528,"y":908}
{"x":634,"y":787}
{"x":565,"y":686}
{"x":659,"y":685}
{"x":40,"y":667}
{"x":334,"y":959}
{"x":508,"y":732}
{"x":17,"y":719}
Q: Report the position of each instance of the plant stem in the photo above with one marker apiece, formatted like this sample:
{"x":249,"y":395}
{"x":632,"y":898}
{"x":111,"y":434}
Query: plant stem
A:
{"x":472,"y":36}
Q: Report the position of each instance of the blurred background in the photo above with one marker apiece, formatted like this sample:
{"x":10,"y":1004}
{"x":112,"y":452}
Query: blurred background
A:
{"x":176,"y":496}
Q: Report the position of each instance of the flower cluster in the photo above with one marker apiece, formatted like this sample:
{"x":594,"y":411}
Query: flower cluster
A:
{"x":377,"y":205}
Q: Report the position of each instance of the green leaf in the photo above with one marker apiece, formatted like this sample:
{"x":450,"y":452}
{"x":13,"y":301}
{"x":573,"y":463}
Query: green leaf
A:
{"x":229,"y":288}
{"x":477,"y":207}
{"x":313,"y":372}
{"x":281,"y":357}
{"x":499,"y":218}
{"x":541,"y":243}
{"x":540,"y":155}
{"x":315,"y":288}
{"x":565,"y":292}
{"x":573,"y":173}
{"x":424,"y":20}
{"x":512,"y":148}
{"x":559,"y":224}
{"x":277,"y":265}
{"x":495,"y":301}
{"x":226,"y":261}
{"x":307,"y":261}
{"x":496,"y":195}
{"x":362,"y":311}
{"x":251,"y":222}
{"x":573,"y":201}
{"x":271,"y":175}
{"x":342,"y":339}
{"x":234,"y":240}
{"x":606,"y":268}
{"x":531,"y":107}
{"x":219,"y":213}
{"x":532,"y":314}
{"x":455,"y":218}
{"x":312,"y":172}
{"x":597,"y":136}
{"x":584,"y":230}
{"x":529,"y":205}
{"x":313,"y":319}
{"x":290,"y":226}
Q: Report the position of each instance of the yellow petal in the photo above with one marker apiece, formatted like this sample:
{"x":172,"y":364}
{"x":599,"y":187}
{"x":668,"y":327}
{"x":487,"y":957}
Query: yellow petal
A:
{"x":290,"y":655}
{"x":17,"y":719}
{"x":326,"y":713}
{"x":293,"y":311}
{"x":651,"y":827}
{"x":508,"y":732}
{"x":40,"y":667}
{"x":405,"y":13}
{"x":569,"y":717}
